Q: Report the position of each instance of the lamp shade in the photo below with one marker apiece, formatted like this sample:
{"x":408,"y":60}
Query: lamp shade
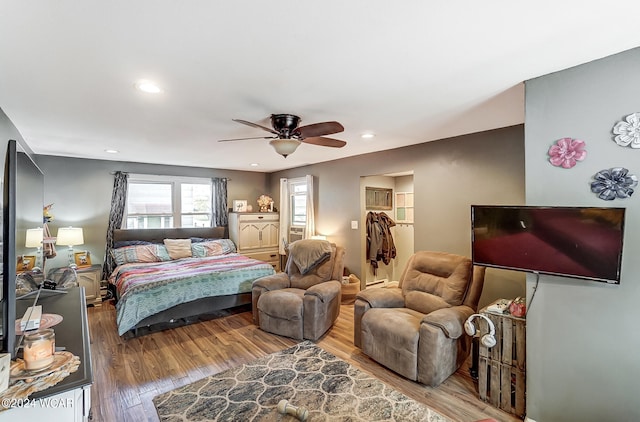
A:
{"x":285,"y":147}
{"x":34,"y":238}
{"x":70,"y":236}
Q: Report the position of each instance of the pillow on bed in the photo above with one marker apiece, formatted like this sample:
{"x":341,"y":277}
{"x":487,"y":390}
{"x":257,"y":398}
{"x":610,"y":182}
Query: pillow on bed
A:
{"x":178,"y":248}
{"x":123,"y":243}
{"x":201,"y":239}
{"x":212,"y":248}
{"x":140,"y":253}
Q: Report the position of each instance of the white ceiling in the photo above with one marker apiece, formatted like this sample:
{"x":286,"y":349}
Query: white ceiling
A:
{"x":410,"y":71}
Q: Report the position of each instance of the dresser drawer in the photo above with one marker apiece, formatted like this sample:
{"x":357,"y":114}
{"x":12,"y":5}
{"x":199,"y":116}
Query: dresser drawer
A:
{"x":264,"y":256}
{"x":272,"y":258}
{"x":261,"y":216}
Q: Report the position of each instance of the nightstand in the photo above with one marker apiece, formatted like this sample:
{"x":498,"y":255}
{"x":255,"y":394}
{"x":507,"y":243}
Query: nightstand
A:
{"x":88,"y":277}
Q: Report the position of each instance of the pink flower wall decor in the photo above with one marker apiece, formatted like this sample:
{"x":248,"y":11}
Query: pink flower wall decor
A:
{"x":566,"y":152}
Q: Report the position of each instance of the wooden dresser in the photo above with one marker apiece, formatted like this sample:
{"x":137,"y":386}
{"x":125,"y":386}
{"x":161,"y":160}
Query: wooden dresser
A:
{"x":256,"y":235}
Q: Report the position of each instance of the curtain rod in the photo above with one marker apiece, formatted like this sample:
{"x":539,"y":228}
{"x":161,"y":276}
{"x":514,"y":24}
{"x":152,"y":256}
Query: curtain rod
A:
{"x":168,"y":175}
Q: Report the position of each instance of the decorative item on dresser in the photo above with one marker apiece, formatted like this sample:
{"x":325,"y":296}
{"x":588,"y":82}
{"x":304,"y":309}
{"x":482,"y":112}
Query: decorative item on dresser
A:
{"x":239,"y":205}
{"x":256,"y":235}
{"x":266,"y":203}
{"x":82,"y":259}
{"x":166,"y":275}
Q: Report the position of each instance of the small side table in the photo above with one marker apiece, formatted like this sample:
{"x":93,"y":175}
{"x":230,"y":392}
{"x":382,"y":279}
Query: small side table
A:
{"x":88,"y":277}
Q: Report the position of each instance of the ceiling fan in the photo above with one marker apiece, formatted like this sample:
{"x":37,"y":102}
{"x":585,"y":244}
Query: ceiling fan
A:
{"x":288,"y":135}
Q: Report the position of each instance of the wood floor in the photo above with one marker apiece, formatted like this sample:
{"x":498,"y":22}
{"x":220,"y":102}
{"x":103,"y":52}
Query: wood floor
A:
{"x":127,"y":374}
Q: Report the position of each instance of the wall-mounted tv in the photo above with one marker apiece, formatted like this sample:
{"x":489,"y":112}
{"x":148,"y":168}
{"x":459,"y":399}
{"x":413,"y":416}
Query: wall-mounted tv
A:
{"x":22,"y":203}
{"x":579,"y":242}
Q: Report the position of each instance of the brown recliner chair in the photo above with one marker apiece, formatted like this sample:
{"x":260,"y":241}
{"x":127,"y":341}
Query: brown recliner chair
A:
{"x":304,"y":301}
{"x":417,"y":329}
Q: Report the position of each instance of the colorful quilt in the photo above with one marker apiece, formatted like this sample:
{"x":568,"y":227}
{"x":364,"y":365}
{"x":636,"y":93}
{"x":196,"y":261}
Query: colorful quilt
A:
{"x":145,"y":289}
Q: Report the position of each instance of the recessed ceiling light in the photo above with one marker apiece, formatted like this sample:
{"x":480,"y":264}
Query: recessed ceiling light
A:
{"x":148,"y":86}
{"x":111,"y":151}
{"x":254,"y":164}
{"x":367,"y":135}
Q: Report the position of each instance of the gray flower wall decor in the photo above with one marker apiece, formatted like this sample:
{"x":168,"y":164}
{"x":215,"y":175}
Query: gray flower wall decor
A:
{"x":613,"y":183}
{"x":627,"y":131}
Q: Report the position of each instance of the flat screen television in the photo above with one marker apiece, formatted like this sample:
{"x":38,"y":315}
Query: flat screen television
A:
{"x":22,"y":203}
{"x":578,"y":242}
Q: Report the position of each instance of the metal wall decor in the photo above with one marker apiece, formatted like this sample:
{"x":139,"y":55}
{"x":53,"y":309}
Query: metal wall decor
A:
{"x":627,"y":131}
{"x":613,"y":183}
{"x":566,"y":152}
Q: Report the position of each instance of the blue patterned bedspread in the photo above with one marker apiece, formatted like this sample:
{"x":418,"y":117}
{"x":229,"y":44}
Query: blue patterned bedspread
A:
{"x":145,"y":289}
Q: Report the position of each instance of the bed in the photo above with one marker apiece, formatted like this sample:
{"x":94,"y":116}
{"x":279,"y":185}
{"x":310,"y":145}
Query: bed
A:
{"x":154,"y":288}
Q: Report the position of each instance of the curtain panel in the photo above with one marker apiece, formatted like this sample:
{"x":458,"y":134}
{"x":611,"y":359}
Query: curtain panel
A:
{"x":219,"y":207}
{"x":116,"y":215}
{"x":284,"y":216}
{"x":310,"y":226}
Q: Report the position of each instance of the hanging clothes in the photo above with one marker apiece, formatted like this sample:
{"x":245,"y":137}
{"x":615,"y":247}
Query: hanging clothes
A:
{"x":380,"y":245}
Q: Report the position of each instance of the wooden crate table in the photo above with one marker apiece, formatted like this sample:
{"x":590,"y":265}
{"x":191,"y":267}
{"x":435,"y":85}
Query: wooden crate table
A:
{"x":502,"y":368}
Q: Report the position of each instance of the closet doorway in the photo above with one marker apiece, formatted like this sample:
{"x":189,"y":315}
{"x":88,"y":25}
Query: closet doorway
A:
{"x":399,"y":207}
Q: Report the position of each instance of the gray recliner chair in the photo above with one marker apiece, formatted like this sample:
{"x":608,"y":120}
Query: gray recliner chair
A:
{"x":417,"y":329}
{"x":304,"y":301}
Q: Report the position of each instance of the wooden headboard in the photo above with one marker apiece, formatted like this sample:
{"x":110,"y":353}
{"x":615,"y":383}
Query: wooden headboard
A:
{"x":158,"y":235}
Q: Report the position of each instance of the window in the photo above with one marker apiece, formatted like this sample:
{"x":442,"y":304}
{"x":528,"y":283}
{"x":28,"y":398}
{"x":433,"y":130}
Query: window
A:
{"x":378,"y":198}
{"x":298,"y":201}
{"x":404,"y":207}
{"x":164,"y":202}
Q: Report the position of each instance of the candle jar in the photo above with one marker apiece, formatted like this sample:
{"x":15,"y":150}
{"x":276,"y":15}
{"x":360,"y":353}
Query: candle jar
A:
{"x":39,"y":349}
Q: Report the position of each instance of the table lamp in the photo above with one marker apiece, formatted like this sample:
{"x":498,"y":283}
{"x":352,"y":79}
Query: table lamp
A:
{"x":70,"y":236}
{"x":34,"y":240}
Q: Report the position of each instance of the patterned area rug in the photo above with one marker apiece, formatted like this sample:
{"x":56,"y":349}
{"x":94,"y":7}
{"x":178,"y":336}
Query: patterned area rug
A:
{"x":329,"y":388}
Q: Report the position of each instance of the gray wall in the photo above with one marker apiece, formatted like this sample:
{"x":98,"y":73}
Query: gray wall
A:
{"x":81,"y":193}
{"x":583,"y":337}
{"x":449,"y":176}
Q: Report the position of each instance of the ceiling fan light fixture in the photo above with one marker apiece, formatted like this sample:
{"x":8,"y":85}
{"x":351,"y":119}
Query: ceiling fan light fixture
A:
{"x":285,"y":147}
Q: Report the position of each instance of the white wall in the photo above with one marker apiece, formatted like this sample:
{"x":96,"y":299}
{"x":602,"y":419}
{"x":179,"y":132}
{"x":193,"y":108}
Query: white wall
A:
{"x":583,"y":341}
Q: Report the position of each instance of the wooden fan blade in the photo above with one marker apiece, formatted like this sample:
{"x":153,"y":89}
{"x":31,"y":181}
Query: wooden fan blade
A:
{"x":244,"y":122}
{"x":244,"y":139}
{"x":318,"y":129}
{"x":325,"y":142}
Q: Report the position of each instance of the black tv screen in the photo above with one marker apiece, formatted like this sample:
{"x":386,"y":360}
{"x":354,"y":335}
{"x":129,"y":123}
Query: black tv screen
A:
{"x":580,"y":242}
{"x":23,"y":198}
